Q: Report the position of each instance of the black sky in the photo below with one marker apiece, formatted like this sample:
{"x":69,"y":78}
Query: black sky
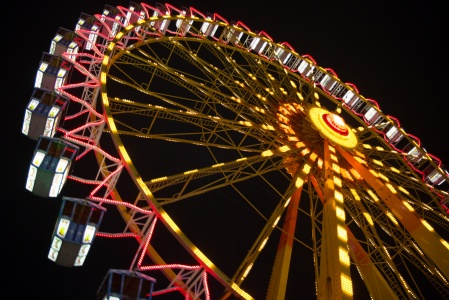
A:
{"x":395,"y":54}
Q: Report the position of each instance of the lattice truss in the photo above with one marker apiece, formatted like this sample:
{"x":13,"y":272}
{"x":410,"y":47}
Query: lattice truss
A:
{"x":269,"y":107}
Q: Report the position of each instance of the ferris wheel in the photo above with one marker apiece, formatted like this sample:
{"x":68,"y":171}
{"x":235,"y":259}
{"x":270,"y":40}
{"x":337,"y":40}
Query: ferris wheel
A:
{"x":239,"y":166}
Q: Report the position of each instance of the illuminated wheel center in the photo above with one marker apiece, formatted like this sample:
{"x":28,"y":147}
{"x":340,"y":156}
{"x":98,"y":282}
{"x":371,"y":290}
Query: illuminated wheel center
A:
{"x":336,"y":123}
{"x":309,"y":126}
{"x":333,"y":127}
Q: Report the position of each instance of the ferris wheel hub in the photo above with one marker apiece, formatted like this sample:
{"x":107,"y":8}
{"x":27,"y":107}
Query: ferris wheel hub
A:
{"x":333,"y":127}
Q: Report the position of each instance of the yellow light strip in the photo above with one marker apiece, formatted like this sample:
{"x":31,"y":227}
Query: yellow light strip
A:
{"x":346,"y":285}
{"x":408,"y":205}
{"x":374,"y":196}
{"x":427,"y":225}
{"x":354,"y":193}
{"x":368,"y":218}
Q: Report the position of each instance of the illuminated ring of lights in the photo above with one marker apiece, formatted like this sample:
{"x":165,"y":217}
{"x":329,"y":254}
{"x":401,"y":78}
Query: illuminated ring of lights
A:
{"x":337,"y":132}
{"x":337,"y":124}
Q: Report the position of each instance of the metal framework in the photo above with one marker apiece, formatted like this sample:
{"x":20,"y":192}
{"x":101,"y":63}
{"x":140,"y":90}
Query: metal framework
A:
{"x":202,"y":130}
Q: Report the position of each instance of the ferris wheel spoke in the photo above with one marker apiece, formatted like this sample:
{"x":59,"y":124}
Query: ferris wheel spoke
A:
{"x":238,"y":74}
{"x":368,"y":270}
{"x":232,"y":81}
{"x":217,"y":103}
{"x":203,"y":77}
{"x":282,"y":259}
{"x":197,"y":128}
{"x":421,"y":231}
{"x":419,"y":194}
{"x":366,"y":210}
{"x":385,"y":157}
{"x":269,"y":83}
{"x":389,"y":253}
{"x":200,"y":71}
{"x":230,"y":102}
{"x":255,"y":77}
{"x":244,"y":269}
{"x":194,"y":182}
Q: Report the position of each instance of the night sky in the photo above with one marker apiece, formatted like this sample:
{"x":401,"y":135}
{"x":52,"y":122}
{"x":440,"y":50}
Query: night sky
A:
{"x":395,"y":54}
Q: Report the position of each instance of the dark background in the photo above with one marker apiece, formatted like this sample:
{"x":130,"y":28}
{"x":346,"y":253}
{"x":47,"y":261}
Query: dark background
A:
{"x":395,"y":54}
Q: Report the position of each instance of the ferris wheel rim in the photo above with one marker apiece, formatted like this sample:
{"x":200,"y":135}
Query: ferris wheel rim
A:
{"x":125,"y":158}
{"x":124,"y":154}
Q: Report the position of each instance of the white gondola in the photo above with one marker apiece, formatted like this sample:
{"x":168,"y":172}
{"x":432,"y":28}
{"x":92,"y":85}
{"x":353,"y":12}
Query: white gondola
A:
{"x":74,"y":232}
